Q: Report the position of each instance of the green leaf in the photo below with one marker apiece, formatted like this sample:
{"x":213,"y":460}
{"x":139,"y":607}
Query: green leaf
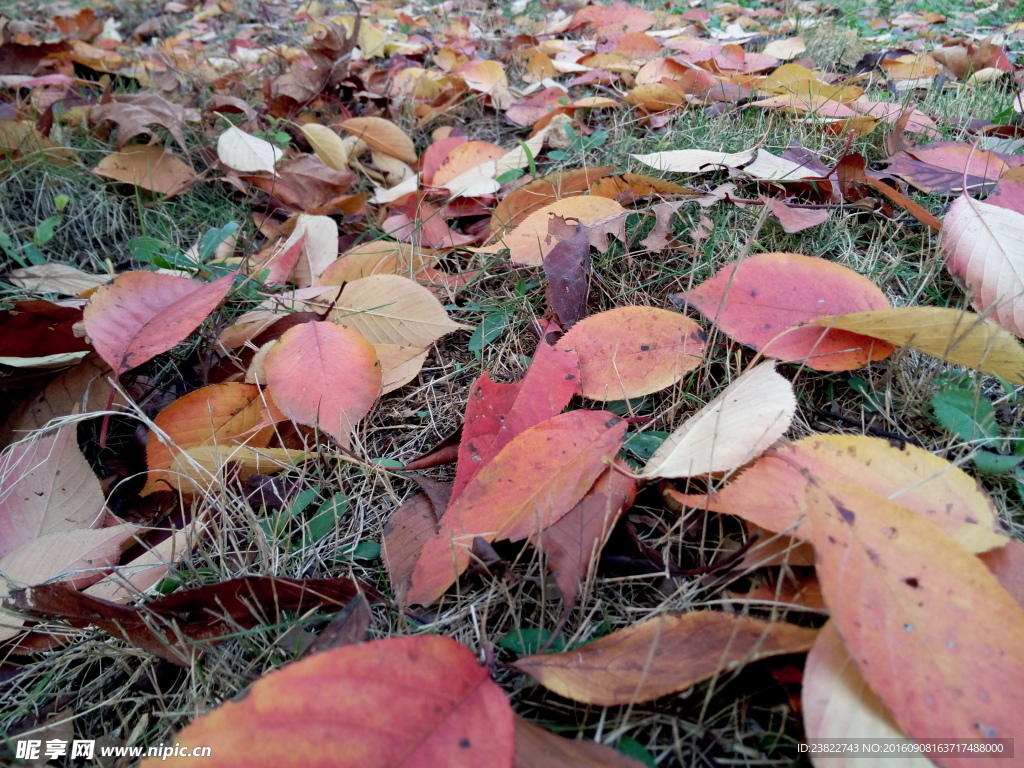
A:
{"x":526,"y":642}
{"x":633,"y":748}
{"x":34,"y":255}
{"x":387,"y":463}
{"x":510,"y":175}
{"x":626,"y":407}
{"x":644,"y":444}
{"x":366,"y":550}
{"x":965,"y":414}
{"x":10,"y":248}
{"x":214,"y":237}
{"x":60,"y":202}
{"x":45,"y":231}
{"x":491,"y":327}
{"x":147,"y":249}
{"x":303,"y":499}
{"x":992,"y":463}
{"x":326,"y":517}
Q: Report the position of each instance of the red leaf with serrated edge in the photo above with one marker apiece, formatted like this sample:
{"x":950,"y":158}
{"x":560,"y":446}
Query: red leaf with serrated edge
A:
{"x":533,"y":481}
{"x":401,"y":702}
{"x":324,"y":375}
{"x":758,"y":300}
{"x":496,"y":413}
{"x":142,"y":314}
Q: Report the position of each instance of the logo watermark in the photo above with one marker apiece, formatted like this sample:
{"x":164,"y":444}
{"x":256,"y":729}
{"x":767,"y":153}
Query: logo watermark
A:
{"x":52,"y":749}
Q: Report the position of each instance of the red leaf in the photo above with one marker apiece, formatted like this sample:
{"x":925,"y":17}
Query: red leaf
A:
{"x":794,"y":219}
{"x":39,"y":328}
{"x":535,"y":480}
{"x":402,"y":702}
{"x":496,"y":413}
{"x":142,"y":314}
{"x":324,"y":375}
{"x":757,"y":300}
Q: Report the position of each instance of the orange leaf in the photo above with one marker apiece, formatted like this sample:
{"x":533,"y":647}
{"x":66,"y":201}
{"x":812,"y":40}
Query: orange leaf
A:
{"x":142,"y":314}
{"x":662,"y":655}
{"x":533,"y":481}
{"x":382,"y":135}
{"x":221,"y":413}
{"x":538,"y":747}
{"x":530,"y":242}
{"x":324,"y":375}
{"x":519,"y":204}
{"x":392,"y":703}
{"x":147,"y":166}
{"x":770,"y":492}
{"x":758,"y":300}
{"x":932,"y":631}
{"x":632,"y":351}
{"x":838,"y":704}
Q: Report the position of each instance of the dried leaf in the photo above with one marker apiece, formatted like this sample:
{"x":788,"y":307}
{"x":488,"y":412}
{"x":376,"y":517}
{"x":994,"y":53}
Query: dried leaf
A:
{"x":662,"y":655}
{"x":520,"y":203}
{"x":770,"y":493}
{"x":567,"y":269}
{"x":134,"y":113}
{"x":53,"y":277}
{"x":324,"y":375}
{"x":247,"y":153}
{"x":147,"y":166}
{"x":632,"y":351}
{"x":761,"y":300}
{"x":984,"y":247}
{"x":954,"y":335}
{"x":142,"y":314}
{"x":746,"y":418}
{"x":538,"y":747}
{"x":329,"y":146}
{"x":905,"y":596}
{"x":538,"y":477}
{"x":382,"y":135}
{"x":794,"y":219}
{"x":451,"y":712}
{"x":694,"y":160}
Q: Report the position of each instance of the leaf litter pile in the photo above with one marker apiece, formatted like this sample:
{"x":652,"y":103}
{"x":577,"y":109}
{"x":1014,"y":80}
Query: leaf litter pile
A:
{"x":534,"y":385}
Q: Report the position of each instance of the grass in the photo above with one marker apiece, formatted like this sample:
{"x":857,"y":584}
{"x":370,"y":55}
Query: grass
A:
{"x":114,"y":692}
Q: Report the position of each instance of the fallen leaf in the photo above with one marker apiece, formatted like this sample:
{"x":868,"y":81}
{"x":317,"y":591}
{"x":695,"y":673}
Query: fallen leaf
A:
{"x":380,"y":257}
{"x":520,"y":203}
{"x":451,"y":712}
{"x":382,"y":135}
{"x":329,"y":146}
{"x":141,"y":314}
{"x":538,"y":477}
{"x":324,"y":375}
{"x":770,"y":492}
{"x":567,"y":269}
{"x":633,"y":351}
{"x":246,"y":153}
{"x":694,"y":160}
{"x":785,"y":49}
{"x":761,"y":300}
{"x":206,"y":469}
{"x":743,"y":421}
{"x":391,"y":309}
{"x":943,"y":167}
{"x":408,"y":528}
{"x":906,"y":597}
{"x":232,"y":413}
{"x":984,"y":247}
{"x":53,"y":277}
{"x":530,"y":241}
{"x":795,"y":219}
{"x":496,"y":412}
{"x":572,"y":545}
{"x":838,"y":704}
{"x":537,"y":747}
{"x":399,"y":364}
{"x":319,"y":246}
{"x":954,"y":335}
{"x":134,"y":113}
{"x":168,"y":626}
{"x":1007,"y":565}
{"x":662,"y":655}
{"x":39,"y":328}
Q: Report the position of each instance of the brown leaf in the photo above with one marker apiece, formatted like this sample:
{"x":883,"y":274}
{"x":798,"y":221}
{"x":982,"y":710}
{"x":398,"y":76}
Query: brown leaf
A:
{"x":573,"y":544}
{"x":147,"y":166}
{"x":537,"y":747}
{"x":406,"y":531}
{"x":567,"y":268}
{"x":350,"y":626}
{"x":134,"y":113}
{"x":795,"y":219}
{"x":205,"y":614}
{"x":850,"y":171}
{"x":662,"y":655}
